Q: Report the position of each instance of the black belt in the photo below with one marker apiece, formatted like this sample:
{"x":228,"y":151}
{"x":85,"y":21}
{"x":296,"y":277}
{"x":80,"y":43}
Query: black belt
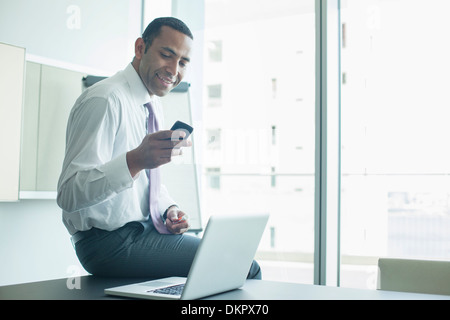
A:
{"x":80,"y":235}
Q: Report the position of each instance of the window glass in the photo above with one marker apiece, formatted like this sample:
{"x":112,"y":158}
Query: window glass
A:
{"x":258,"y":153}
{"x":395,"y":188}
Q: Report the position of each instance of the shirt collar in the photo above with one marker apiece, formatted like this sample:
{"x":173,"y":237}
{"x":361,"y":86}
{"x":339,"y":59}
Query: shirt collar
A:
{"x":138,"y":90}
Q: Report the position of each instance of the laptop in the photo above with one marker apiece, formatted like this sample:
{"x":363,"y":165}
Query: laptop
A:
{"x":221,"y":264}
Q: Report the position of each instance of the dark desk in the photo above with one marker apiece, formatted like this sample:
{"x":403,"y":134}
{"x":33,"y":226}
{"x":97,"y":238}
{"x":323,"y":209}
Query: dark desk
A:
{"x":91,"y":288}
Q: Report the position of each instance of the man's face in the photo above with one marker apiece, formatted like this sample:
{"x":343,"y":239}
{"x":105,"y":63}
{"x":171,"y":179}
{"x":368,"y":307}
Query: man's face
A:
{"x":164,"y":64}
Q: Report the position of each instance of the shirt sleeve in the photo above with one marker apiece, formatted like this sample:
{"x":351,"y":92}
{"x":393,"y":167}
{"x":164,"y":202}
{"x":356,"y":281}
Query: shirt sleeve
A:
{"x":90,"y":174}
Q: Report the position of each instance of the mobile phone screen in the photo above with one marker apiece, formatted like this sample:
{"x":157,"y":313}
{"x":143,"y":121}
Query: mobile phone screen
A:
{"x":179,"y":125}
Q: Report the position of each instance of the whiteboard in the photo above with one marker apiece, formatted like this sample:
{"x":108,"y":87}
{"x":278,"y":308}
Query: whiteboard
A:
{"x":180,"y":175}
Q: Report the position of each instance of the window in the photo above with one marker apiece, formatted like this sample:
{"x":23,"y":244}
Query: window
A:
{"x":215,"y":51}
{"x":214,"y":95}
{"x":213,"y":175}
{"x":274,"y":88}
{"x":214,"y":138}
{"x":273,"y":178}
{"x":395,"y":188}
{"x":215,"y":91}
{"x":274,"y":135}
{"x":388,"y":144}
{"x":258,"y":168}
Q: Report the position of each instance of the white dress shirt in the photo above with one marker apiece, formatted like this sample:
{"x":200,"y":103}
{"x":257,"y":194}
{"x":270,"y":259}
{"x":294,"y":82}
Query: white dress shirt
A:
{"x":95,"y":188}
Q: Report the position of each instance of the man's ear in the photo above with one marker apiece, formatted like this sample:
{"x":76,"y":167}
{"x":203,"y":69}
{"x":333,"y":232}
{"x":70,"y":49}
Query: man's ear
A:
{"x":139,"y":48}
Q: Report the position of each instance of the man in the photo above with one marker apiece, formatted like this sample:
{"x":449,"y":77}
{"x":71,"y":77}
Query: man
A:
{"x":119,"y":226}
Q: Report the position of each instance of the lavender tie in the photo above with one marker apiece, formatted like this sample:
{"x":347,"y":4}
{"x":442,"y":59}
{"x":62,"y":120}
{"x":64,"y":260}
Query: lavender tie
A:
{"x":154,"y":178}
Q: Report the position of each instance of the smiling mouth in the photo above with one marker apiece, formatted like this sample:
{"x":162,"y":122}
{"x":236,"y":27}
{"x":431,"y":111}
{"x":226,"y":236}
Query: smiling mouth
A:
{"x":165,"y":80}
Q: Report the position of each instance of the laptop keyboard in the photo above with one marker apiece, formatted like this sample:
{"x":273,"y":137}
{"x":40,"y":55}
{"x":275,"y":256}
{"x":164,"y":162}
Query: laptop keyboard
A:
{"x":175,"y":290}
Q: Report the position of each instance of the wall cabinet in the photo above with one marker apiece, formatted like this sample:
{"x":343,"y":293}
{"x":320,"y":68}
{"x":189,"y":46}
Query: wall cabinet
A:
{"x":12,"y":63}
{"x":50,"y":93}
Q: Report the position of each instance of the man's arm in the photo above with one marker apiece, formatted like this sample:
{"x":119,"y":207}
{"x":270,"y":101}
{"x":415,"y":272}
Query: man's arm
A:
{"x":90,"y":175}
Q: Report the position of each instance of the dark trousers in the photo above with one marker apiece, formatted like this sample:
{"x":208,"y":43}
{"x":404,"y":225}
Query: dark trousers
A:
{"x":138,"y":250}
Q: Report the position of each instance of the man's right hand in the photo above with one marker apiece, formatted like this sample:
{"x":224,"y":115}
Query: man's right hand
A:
{"x":155,"y":150}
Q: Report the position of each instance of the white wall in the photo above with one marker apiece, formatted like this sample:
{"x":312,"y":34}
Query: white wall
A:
{"x":81,"y":33}
{"x":34,"y":244}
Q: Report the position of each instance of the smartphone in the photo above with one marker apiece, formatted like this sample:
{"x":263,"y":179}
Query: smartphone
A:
{"x":179,"y":125}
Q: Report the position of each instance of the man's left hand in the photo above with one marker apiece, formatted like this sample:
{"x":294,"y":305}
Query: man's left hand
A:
{"x":177,"y":221}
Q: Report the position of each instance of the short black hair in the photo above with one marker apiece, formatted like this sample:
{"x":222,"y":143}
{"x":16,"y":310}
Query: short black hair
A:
{"x":154,"y":28}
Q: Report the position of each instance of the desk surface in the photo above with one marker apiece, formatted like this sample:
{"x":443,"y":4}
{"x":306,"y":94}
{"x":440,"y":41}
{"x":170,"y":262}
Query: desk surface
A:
{"x":91,"y":288}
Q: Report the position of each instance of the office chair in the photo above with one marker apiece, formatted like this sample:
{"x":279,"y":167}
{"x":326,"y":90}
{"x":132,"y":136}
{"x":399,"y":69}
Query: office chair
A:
{"x":421,"y":276}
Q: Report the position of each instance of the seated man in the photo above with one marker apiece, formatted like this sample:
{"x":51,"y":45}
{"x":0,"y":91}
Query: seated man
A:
{"x":122,"y":219}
